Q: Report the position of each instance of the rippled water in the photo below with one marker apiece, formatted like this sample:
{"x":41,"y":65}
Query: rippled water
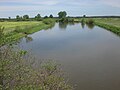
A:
{"x":89,"y":54}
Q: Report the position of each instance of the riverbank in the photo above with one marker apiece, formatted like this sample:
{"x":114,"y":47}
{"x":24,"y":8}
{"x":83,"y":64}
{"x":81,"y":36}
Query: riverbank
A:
{"x":111,"y":24}
{"x":15,"y":30}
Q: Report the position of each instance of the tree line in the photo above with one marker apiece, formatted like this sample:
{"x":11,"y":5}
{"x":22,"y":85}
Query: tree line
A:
{"x":38,"y":17}
{"x":27,"y":17}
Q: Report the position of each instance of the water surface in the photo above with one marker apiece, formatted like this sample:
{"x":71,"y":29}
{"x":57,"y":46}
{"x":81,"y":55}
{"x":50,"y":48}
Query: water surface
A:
{"x":89,"y":54}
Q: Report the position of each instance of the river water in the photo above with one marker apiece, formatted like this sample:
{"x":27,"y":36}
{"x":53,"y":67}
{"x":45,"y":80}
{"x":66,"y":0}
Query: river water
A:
{"x":90,"y":55}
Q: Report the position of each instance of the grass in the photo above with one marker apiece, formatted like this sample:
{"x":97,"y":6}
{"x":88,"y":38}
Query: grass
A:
{"x":16,"y":30}
{"x":11,"y":26}
{"x":109,"y":21}
{"x":111,"y":24}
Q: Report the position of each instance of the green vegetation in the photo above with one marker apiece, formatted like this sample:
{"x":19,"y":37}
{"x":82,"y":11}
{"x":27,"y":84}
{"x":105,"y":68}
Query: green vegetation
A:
{"x":51,"y":16}
{"x":38,"y":17}
{"x":62,"y":14}
{"x":112,"y":24}
{"x":63,"y":17}
{"x":15,"y":30}
{"x":49,"y":21}
{"x":18,"y":71}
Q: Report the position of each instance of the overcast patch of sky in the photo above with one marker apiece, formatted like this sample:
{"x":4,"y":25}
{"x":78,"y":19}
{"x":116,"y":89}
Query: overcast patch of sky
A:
{"x":46,"y":7}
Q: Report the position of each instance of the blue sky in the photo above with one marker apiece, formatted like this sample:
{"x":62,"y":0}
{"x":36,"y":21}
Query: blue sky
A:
{"x":46,"y":7}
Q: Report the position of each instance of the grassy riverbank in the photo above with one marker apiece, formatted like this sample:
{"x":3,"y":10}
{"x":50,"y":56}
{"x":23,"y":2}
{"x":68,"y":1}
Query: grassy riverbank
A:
{"x":15,"y":30}
{"x":112,"y":24}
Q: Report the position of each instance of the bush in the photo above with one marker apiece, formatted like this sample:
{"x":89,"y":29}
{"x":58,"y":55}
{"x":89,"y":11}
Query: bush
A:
{"x":18,"y":71}
{"x":48,"y":21}
{"x":1,"y":35}
{"x":90,"y":21}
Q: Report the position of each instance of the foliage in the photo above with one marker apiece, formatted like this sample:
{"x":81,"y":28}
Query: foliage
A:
{"x":1,"y":35}
{"x":25,"y":17}
{"x":62,"y":14}
{"x":90,"y":21}
{"x":15,"y":30}
{"x":111,"y":24}
{"x":17,"y":17}
{"x":84,"y":16}
{"x":114,"y":29}
{"x":51,"y":16}
{"x":18,"y":72}
{"x":9,"y":18}
{"x":49,"y":21}
{"x":45,"y":17}
{"x":38,"y":17}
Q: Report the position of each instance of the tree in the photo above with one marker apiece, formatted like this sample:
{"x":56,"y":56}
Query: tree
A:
{"x":9,"y":18}
{"x":51,"y":16}
{"x":17,"y":17}
{"x":62,"y":14}
{"x":25,"y":17}
{"x":84,"y":16}
{"x":45,"y":17}
{"x":38,"y":17}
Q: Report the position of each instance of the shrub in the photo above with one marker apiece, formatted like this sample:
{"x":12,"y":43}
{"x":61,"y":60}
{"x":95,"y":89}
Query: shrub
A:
{"x":48,"y":21}
{"x":18,"y":71}
{"x":90,"y":21}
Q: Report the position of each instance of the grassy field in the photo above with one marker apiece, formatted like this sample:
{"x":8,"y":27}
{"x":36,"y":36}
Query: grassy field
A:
{"x":111,"y":24}
{"x":109,"y":21}
{"x":15,"y":30}
{"x":11,"y":26}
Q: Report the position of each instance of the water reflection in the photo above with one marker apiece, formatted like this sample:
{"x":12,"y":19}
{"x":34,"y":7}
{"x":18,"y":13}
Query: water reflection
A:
{"x":83,"y":25}
{"x":71,"y":23}
{"x":90,"y":26}
{"x":63,"y":25}
{"x":28,"y":39}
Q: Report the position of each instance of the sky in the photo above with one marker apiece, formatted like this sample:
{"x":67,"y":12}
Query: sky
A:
{"x":11,"y":8}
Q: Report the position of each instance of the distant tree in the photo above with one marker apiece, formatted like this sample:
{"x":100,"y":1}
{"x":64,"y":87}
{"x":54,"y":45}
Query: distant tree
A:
{"x":62,"y":14}
{"x":17,"y":17}
{"x":45,"y":17}
{"x":38,"y":17}
{"x":25,"y":17}
{"x":84,"y":16}
{"x":9,"y":18}
{"x":21,"y":18}
{"x":51,"y":16}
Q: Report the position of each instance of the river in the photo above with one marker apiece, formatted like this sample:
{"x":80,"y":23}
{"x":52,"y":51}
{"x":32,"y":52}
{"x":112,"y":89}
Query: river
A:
{"x":90,"y":55}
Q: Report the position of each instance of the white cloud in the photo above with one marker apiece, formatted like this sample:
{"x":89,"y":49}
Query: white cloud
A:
{"x":113,"y":3}
{"x":53,"y":6}
{"x":41,"y":2}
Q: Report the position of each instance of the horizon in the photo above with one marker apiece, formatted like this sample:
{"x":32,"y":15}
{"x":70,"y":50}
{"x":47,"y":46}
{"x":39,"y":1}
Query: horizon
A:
{"x":73,"y":8}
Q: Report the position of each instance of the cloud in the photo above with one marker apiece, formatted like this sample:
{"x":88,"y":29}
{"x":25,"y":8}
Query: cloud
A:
{"x":75,"y":7}
{"x":113,"y":3}
{"x":40,"y":2}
